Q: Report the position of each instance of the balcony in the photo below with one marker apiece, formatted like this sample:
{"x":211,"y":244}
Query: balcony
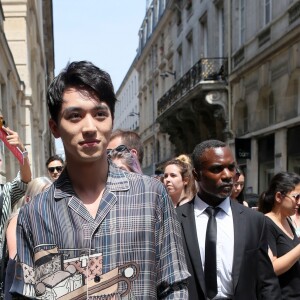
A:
{"x":195,"y":108}
{"x":205,"y":71}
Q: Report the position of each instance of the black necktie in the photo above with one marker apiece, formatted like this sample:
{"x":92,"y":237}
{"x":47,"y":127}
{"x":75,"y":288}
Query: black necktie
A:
{"x":210,"y":266}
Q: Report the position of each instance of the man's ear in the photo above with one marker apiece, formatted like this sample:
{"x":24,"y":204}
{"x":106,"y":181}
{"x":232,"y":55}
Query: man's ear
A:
{"x":134,"y":152}
{"x":54,"y":128}
{"x":196,"y":175}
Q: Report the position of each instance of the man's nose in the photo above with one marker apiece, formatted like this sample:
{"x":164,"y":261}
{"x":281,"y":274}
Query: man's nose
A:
{"x":227,"y":174}
{"x":89,"y":124}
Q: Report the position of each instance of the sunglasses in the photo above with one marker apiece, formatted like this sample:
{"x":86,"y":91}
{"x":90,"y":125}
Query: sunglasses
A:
{"x":58,"y":169}
{"x":296,"y":197}
{"x":121,"y":148}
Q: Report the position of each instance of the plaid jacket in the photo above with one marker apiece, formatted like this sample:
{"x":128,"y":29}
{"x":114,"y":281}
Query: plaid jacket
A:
{"x":131,"y":250}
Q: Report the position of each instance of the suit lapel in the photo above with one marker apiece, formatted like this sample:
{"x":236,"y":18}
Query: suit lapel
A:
{"x":190,"y":233}
{"x":239,"y":240}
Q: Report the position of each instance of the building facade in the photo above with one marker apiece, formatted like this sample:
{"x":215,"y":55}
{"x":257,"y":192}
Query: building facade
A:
{"x":182,"y":67}
{"x":221,"y":69}
{"x":127,"y":114}
{"x":27,"y":61}
{"x":265,"y":86}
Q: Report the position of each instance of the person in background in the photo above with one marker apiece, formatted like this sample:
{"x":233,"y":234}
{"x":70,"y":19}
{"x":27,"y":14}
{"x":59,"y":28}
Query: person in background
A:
{"x":225,"y":243}
{"x":12,"y":192}
{"x":131,"y":140}
{"x":124,"y":159}
{"x":278,"y":203}
{"x":238,"y":187}
{"x":179,"y":181}
{"x":97,"y":232}
{"x":54,"y":165}
{"x":296,"y":220}
{"x":35,"y":187}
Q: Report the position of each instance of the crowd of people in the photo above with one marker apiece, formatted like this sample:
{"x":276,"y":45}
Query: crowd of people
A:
{"x":97,"y":228}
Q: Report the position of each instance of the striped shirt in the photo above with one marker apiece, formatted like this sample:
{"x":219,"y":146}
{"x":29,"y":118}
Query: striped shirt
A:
{"x":12,"y":192}
{"x":131,"y":250}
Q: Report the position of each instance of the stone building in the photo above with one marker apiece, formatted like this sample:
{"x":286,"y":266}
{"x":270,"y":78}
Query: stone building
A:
{"x":222,"y":69}
{"x":27,"y":67}
{"x":265,"y":86}
{"x":127,"y":107}
{"x":182,"y":67}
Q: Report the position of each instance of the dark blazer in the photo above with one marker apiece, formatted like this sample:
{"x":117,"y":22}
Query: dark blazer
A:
{"x":253,"y":276}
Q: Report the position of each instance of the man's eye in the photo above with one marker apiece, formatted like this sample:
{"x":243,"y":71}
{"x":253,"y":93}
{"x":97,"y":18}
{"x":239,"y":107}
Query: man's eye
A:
{"x":74,"y":116}
{"x":102,"y":114}
{"x":231,"y":168}
{"x":217,"y":170}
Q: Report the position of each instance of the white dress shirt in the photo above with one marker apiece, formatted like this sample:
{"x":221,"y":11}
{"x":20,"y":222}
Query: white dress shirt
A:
{"x":225,"y":243}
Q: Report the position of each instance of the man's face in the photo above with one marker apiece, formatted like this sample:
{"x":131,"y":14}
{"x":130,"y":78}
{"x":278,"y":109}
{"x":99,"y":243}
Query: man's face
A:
{"x":215,"y":179}
{"x":84,"y":125}
{"x":55,"y":168}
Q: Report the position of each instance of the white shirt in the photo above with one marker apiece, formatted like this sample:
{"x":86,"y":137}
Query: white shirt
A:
{"x":225,"y":243}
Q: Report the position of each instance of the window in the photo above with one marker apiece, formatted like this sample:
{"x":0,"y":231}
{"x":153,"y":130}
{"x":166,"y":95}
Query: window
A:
{"x":221,"y":31}
{"x":242,"y":21}
{"x":268,"y":11}
{"x":190,"y":48}
{"x":204,"y":35}
{"x":245,"y":118}
{"x":180,"y":61}
{"x":271,"y":109}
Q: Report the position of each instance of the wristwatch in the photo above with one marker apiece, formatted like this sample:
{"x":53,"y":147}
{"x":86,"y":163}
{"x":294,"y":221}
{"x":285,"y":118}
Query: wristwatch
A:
{"x":25,"y":153}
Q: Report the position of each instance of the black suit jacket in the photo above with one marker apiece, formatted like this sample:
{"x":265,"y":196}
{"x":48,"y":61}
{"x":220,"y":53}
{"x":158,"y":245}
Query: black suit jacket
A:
{"x":253,"y":276}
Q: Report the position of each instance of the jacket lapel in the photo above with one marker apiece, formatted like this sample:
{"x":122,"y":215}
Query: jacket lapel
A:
{"x":239,"y":240}
{"x":190,"y":233}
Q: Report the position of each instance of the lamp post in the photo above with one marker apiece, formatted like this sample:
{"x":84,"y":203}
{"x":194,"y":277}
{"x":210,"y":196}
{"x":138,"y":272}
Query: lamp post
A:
{"x":167,"y":73}
{"x":133,"y":113}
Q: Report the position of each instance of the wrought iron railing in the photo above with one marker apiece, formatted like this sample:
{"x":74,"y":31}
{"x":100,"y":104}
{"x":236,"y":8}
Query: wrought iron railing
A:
{"x":206,"y":69}
{"x":294,"y":13}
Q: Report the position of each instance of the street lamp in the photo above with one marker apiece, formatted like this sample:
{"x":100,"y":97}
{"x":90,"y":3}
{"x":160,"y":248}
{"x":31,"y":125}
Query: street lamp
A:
{"x":132,"y":114}
{"x":167,"y":73}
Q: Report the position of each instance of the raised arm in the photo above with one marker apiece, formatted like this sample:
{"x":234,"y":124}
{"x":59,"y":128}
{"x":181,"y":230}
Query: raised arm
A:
{"x":14,"y":139}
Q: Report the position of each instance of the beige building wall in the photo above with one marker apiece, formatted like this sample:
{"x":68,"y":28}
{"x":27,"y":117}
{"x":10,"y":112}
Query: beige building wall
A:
{"x":28,"y":28}
{"x":265,"y":85}
{"x":11,"y":97}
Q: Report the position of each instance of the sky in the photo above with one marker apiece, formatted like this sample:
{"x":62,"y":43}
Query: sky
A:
{"x":104,"y":32}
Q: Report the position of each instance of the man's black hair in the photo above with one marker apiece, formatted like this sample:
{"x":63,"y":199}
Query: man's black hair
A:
{"x":200,"y":148}
{"x":53,"y":158}
{"x":85,"y":76}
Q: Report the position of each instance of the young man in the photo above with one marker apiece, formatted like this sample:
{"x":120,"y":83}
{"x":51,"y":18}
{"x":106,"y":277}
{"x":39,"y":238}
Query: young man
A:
{"x":55,"y":166}
{"x":234,"y":237}
{"x":98,"y":232}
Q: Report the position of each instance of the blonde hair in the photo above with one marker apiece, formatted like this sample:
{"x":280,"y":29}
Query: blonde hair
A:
{"x":34,"y":187}
{"x":185,"y":158}
{"x":184,"y":163}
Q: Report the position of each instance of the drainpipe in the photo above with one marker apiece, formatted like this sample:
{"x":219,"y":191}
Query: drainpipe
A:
{"x":44,"y":103}
{"x":229,"y":120}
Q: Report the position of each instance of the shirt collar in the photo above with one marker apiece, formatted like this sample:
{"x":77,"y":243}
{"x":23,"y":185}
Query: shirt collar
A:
{"x":116,"y":181}
{"x":200,"y":206}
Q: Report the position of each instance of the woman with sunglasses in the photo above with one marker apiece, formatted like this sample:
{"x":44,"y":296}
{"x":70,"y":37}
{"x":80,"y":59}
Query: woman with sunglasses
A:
{"x":278,"y":203}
